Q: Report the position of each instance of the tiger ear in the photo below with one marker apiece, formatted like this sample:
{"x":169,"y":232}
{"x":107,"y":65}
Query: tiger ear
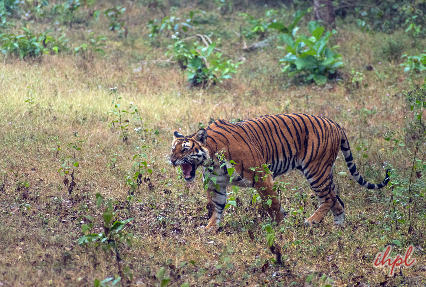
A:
{"x":177,"y":135}
{"x":201,"y":136}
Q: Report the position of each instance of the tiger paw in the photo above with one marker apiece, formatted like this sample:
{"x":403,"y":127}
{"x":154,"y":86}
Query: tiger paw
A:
{"x":339,"y":219}
{"x":311,"y":222}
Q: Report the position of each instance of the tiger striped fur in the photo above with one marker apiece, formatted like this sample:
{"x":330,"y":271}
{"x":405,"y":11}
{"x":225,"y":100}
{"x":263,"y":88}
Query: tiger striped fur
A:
{"x":283,"y":142}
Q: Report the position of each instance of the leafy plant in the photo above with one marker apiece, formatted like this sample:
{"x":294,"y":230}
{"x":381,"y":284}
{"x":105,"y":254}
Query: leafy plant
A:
{"x":140,"y":165}
{"x":203,"y":66}
{"x":118,"y":114}
{"x":31,"y":45}
{"x":311,"y":57}
{"x":357,"y":78}
{"x":114,"y":16}
{"x":113,"y":237}
{"x":259,"y":27}
{"x":171,"y":24}
{"x":94,"y":45}
{"x":407,"y":190}
{"x":415,"y":64}
{"x":70,"y":164}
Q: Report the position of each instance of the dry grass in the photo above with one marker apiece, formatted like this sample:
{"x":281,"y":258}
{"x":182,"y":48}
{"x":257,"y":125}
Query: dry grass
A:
{"x":71,"y":98}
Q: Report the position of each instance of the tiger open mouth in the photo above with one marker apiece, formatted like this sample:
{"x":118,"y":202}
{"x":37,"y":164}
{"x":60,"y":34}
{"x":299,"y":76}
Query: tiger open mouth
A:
{"x":188,"y":171}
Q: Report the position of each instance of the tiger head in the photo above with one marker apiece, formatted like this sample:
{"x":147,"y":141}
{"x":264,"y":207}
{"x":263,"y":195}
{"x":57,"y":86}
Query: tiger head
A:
{"x":189,"y":152}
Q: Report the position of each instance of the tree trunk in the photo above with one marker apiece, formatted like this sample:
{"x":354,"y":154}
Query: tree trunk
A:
{"x":323,"y":10}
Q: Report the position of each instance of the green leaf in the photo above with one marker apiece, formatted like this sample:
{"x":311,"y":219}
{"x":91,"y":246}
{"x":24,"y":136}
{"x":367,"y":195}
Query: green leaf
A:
{"x":297,"y":16}
{"x":160,"y":273}
{"x":107,"y":217}
{"x":270,"y":238}
{"x":97,"y":283}
{"x":279,"y":26}
{"x":317,"y":33}
{"x":312,"y":26}
{"x":99,"y":199}
{"x":288,"y":40}
{"x":76,"y":164}
{"x":231,"y":171}
{"x":397,"y":242}
{"x":96,"y":15}
{"x":165,"y":281}
{"x":329,"y":53}
{"x":232,"y":202}
{"x":210,"y":49}
{"x":342,"y":173}
{"x":85,"y":228}
{"x":106,"y":280}
{"x":115,"y":282}
{"x":309,"y":62}
{"x":336,"y":65}
{"x":309,"y":278}
{"x":320,"y":79}
{"x":184,"y":285}
{"x":269,"y":229}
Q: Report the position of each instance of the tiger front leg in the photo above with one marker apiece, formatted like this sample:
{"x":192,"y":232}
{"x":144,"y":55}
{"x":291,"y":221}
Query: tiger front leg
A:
{"x":215,"y":206}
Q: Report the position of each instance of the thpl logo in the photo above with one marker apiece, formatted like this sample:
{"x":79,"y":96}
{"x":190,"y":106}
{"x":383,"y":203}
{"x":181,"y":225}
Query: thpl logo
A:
{"x":382,"y":260}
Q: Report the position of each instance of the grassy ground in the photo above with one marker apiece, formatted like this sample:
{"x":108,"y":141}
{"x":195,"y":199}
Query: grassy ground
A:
{"x":54,"y":101}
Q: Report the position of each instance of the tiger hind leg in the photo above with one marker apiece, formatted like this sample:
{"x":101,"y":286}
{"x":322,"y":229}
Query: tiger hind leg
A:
{"x":328,"y":200}
{"x":338,"y":207}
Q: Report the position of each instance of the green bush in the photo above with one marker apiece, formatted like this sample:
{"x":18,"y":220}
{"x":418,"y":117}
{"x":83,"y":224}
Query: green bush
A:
{"x":259,"y":27}
{"x":311,"y":57}
{"x":31,"y":45}
{"x":114,"y":16}
{"x":202,"y":64}
{"x":416,"y":64}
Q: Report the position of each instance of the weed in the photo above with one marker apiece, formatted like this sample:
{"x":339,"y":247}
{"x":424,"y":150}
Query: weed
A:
{"x":31,"y":45}
{"x":311,"y":56}
{"x":117,"y":113}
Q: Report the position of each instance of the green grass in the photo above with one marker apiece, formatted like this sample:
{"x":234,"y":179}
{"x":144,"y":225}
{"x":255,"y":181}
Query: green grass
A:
{"x":71,"y":99}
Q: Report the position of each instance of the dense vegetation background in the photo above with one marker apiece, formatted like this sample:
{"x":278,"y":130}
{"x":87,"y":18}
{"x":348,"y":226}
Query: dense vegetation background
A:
{"x":91,"y":92}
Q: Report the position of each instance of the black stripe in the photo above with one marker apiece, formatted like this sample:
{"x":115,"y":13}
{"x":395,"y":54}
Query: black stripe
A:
{"x":222,"y":206}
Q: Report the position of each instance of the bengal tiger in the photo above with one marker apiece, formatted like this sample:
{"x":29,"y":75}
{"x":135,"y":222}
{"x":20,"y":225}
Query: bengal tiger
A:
{"x":282,"y":142}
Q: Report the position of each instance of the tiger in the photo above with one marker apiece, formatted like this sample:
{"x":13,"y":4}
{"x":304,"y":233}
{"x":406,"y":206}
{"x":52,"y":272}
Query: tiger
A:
{"x":283,"y":143}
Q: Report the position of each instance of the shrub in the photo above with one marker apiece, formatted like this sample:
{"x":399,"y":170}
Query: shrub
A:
{"x":415,"y":64}
{"x":31,"y":45}
{"x":311,"y":56}
{"x":114,"y":16}
{"x":202,"y":64}
{"x":259,"y":27}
